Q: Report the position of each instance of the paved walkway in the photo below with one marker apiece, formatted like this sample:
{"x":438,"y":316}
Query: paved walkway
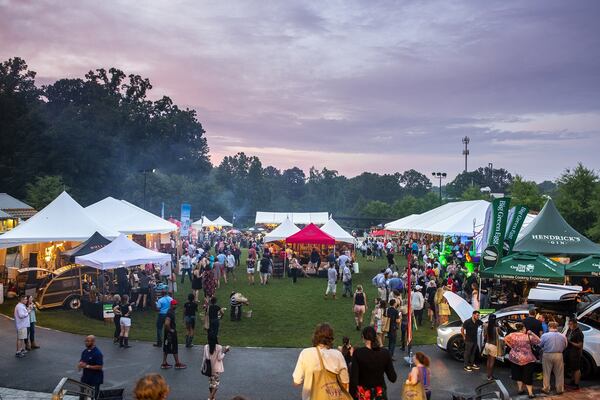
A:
{"x":259,"y":374}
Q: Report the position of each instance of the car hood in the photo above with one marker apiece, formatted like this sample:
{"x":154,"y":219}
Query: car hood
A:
{"x":463,"y":309}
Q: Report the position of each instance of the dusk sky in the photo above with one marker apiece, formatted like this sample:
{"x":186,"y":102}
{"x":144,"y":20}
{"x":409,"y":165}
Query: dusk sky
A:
{"x":377,"y":86}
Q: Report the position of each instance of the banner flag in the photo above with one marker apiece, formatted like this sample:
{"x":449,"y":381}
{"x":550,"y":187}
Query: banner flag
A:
{"x":494,"y":232}
{"x":186,"y":211}
{"x":516,"y":218}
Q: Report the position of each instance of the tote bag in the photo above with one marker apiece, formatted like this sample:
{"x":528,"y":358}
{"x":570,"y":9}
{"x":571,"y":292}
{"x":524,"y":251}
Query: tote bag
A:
{"x":325,"y":384}
{"x":206,"y":365}
{"x":413,"y":392}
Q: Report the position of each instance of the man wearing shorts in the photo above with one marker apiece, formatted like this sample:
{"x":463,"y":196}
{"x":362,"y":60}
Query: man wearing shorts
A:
{"x":21,"y":323}
{"x":331,"y":281}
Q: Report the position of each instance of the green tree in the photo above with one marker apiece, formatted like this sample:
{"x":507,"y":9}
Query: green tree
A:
{"x":43,"y":190}
{"x":526,"y":193}
{"x":576,"y":199}
{"x":474,"y":193}
{"x":414,"y":183}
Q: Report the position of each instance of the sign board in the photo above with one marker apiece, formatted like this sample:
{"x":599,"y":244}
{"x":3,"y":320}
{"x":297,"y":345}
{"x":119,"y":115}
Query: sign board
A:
{"x":107,"y":311}
{"x":186,"y":211}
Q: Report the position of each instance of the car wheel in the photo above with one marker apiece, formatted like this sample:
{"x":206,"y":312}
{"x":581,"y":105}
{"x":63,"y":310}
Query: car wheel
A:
{"x":456,"y":348}
{"x":588,"y":368}
{"x":73,"y":303}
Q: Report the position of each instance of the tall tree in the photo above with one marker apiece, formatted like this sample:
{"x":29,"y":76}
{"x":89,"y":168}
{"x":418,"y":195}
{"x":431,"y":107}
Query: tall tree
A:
{"x":575,"y":200}
{"x":526,"y":193}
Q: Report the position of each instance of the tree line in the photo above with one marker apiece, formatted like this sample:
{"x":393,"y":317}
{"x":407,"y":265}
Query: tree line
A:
{"x":101,"y":135}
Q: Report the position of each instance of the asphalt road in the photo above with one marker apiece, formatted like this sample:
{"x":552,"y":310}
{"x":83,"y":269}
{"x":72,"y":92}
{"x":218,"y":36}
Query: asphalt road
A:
{"x":257,"y":373}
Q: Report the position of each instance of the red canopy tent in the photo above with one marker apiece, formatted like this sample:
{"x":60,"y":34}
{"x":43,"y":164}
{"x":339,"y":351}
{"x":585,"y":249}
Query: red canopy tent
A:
{"x":311,"y":234}
{"x":383,"y":232}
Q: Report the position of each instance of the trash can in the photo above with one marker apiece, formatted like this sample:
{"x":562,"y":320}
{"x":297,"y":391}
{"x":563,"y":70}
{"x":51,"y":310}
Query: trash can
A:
{"x":356,"y":270}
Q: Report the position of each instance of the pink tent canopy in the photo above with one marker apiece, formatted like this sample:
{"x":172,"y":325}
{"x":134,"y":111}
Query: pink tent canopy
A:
{"x":311,"y":234}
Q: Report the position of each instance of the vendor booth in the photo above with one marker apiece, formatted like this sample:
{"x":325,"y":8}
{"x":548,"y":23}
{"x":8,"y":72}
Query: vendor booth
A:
{"x":220,"y":223}
{"x":589,"y":266}
{"x":282,"y":232}
{"x":120,"y":253}
{"x":96,"y":242}
{"x":202,"y":223}
{"x":60,"y":226}
{"x":276,"y":241}
{"x":308,"y":238}
{"x":511,"y":280}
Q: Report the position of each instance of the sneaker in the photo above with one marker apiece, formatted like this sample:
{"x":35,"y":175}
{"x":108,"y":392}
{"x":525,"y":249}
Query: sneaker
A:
{"x":180,"y":366}
{"x":19,"y":355}
{"x":468,"y":369}
{"x":475,"y":366}
{"x":165,"y":366}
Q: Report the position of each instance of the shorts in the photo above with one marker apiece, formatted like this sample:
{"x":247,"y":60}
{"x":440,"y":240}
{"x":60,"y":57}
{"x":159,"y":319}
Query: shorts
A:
{"x":125,"y":321}
{"x":190,"y":321}
{"x":331,"y":288}
{"x":230,"y":270}
{"x":250,"y":270}
{"x":572,"y":361}
{"x":144,"y":291}
{"x":264,"y":275}
{"x":359,"y":309}
{"x":170,"y":344}
{"x":22,"y":334}
{"x":490,"y":350}
{"x":522,"y":373}
{"x":214,"y":380}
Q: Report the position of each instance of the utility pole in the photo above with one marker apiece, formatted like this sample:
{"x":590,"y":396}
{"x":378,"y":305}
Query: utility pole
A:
{"x":465,"y":152}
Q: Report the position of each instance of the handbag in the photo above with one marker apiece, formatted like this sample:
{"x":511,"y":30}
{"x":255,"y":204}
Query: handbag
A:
{"x":414,"y":391}
{"x":385,"y":323}
{"x":535,"y":349}
{"x":326,"y":384}
{"x":206,"y":366}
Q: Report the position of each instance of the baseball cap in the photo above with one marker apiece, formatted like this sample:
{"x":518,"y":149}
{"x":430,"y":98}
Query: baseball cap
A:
{"x":174,"y":302}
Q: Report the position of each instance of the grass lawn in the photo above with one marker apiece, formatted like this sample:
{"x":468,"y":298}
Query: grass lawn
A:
{"x":284,"y":315}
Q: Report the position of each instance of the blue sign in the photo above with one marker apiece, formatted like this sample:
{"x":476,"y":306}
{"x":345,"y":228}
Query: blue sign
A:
{"x":186,"y":211}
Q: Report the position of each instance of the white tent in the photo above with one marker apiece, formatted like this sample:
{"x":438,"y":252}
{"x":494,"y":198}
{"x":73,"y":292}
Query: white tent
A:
{"x":457,"y":218}
{"x":333,"y":229}
{"x":317,"y":218}
{"x":221,"y":222}
{"x":122,"y":252}
{"x":61,"y":220}
{"x":282,"y":232}
{"x":401,"y":224}
{"x":124,"y":217}
{"x":202,"y":223}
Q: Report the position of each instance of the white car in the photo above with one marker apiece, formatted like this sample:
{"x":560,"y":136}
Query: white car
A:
{"x":558,"y":303}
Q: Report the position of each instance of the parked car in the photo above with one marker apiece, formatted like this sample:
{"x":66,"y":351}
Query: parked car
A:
{"x":450,"y":340}
{"x":66,"y":286}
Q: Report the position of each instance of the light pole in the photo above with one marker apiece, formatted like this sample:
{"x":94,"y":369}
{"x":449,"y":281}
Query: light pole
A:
{"x":146,"y":172}
{"x":440,"y":176}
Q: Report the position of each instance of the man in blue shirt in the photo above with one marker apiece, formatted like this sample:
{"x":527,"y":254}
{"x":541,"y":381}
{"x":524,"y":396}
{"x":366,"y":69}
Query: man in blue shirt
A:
{"x":162,"y":306}
{"x":553,"y":344}
{"x":91,"y":363}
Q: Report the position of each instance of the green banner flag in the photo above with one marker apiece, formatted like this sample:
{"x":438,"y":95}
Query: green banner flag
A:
{"x":516,"y":217}
{"x":494,"y":230}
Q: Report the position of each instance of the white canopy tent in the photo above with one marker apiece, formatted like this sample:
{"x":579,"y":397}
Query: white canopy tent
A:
{"x":61,"y":220}
{"x":202,"y":223}
{"x":220,"y":222}
{"x":401,"y":224}
{"x":463,"y":218}
{"x":333,"y":229}
{"x":122,"y":252}
{"x":124,"y":217}
{"x":317,"y":218}
{"x":282,"y":232}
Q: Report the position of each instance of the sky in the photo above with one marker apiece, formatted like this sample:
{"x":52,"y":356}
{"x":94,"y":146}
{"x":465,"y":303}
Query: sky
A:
{"x":379,"y":86}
